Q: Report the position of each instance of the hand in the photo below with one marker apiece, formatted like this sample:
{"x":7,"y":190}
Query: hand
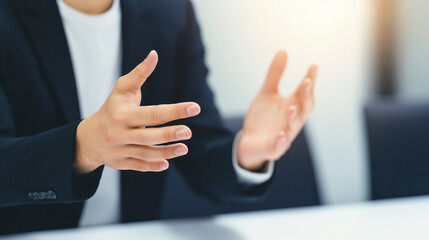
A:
{"x":117,"y":136}
{"x":274,"y":121}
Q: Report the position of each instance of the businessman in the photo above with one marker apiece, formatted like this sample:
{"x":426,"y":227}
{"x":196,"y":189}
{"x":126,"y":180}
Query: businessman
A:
{"x":77,"y":104}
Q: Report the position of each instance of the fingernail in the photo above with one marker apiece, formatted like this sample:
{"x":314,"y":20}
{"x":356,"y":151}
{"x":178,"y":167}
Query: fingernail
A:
{"x":316,"y":72}
{"x":292,"y":111}
{"x":180,"y":151}
{"x":193,"y":110}
{"x":182,"y":134}
{"x":163,"y":166}
{"x":283,"y":136}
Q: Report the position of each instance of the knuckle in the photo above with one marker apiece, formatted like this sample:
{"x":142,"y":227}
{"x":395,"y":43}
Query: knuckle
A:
{"x":118,"y":117}
{"x":168,"y":134}
{"x":120,"y":80}
{"x":141,"y":138}
{"x":179,"y":112}
{"x":155,"y":115}
{"x":110,"y":137}
{"x":140,"y":71}
{"x":142,"y":154}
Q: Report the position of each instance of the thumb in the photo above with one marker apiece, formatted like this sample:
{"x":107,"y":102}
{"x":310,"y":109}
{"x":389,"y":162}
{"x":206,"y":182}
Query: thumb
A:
{"x":137,"y":77}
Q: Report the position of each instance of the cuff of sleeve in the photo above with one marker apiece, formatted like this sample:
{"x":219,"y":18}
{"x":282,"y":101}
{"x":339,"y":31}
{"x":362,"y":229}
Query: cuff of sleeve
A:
{"x":248,"y":177}
{"x":85,"y":186}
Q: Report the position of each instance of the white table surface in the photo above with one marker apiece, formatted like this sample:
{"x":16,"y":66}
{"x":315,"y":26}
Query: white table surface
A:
{"x":393,"y":219}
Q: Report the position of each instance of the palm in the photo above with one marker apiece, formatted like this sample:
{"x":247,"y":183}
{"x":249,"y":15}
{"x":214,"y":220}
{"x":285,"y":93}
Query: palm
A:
{"x":265,"y":120}
{"x":273,"y":121}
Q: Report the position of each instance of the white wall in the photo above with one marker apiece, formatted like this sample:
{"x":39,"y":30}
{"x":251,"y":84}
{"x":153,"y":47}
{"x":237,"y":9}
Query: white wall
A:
{"x":412,"y":33}
{"x":242,"y":36}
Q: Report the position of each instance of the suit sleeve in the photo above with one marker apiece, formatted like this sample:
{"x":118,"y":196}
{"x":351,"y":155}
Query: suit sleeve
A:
{"x":208,"y":167}
{"x":38,"y":169}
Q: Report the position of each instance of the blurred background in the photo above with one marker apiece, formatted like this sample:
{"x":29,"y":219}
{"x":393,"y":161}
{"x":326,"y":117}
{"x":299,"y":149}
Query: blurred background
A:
{"x":241,"y":38}
{"x":367,"y":50}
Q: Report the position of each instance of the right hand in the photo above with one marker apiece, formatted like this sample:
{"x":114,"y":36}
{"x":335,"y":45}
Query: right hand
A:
{"x":117,"y":136}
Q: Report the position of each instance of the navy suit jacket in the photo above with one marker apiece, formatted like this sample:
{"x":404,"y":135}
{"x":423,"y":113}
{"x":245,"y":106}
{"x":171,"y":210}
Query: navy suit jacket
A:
{"x":39,"y":114}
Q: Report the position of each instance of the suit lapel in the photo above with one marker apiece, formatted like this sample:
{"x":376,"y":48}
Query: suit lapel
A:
{"x":46,"y":33}
{"x":47,"y":36}
{"x":137,"y":37}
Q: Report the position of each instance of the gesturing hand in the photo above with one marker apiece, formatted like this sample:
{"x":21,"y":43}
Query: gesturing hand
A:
{"x":117,"y":136}
{"x":274,"y":121}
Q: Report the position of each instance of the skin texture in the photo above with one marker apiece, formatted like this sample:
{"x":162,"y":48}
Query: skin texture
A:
{"x":117,"y":136}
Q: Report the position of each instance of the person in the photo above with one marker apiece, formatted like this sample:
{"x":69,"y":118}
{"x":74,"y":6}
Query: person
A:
{"x":68,"y":118}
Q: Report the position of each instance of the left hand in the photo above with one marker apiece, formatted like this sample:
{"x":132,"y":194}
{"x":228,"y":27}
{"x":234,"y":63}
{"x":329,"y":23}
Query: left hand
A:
{"x":273,"y":121}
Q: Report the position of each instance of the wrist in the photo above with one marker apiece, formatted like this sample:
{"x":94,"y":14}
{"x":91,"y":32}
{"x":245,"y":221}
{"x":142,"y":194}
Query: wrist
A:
{"x":246,"y":161}
{"x":253,"y":166}
{"x":83,"y":162}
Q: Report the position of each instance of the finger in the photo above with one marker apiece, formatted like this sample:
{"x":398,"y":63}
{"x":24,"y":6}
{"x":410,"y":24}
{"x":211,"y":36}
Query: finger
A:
{"x":312,"y":72}
{"x":295,"y":123}
{"x":141,"y":165}
{"x":292,"y":112}
{"x":275,"y":72}
{"x":311,"y":75}
{"x":137,"y":77}
{"x":305,"y":91}
{"x":153,"y":136}
{"x":155,"y":153}
{"x":306,"y":98}
{"x":160,"y":114}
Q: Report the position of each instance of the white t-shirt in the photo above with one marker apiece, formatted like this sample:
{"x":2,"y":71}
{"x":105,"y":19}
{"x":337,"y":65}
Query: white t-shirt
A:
{"x":95,"y":46}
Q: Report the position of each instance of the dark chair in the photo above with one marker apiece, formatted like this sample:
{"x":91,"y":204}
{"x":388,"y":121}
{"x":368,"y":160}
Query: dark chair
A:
{"x":294,"y":186}
{"x":399,"y":148}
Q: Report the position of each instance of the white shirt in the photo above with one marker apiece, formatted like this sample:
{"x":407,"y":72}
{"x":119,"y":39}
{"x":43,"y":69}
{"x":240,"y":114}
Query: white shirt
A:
{"x":95,"y":47}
